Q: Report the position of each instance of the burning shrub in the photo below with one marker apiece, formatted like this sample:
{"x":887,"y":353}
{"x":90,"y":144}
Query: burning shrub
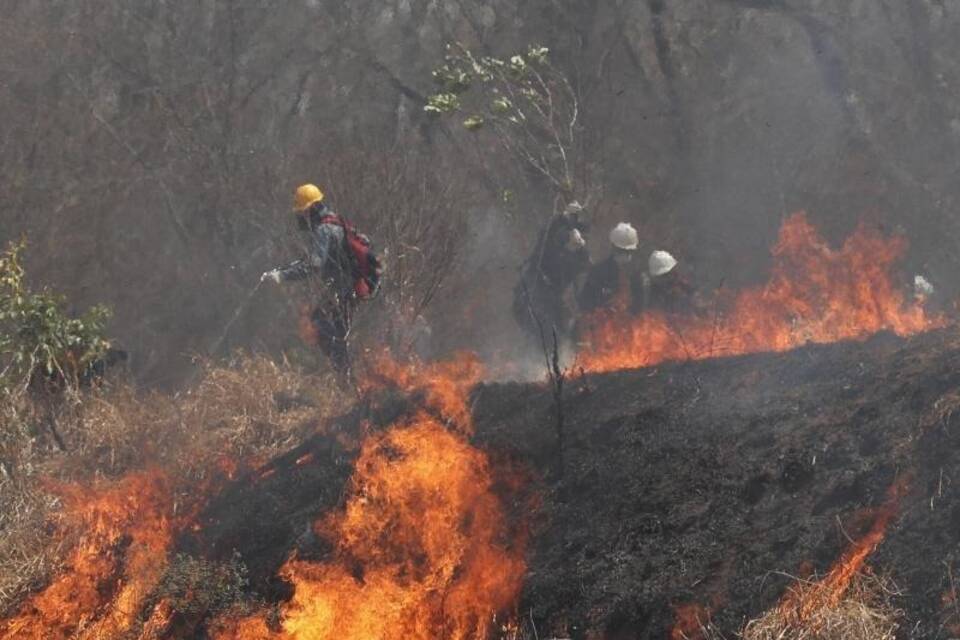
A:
{"x":248,"y":410}
{"x":847,"y":603}
{"x":421,"y":547}
{"x":119,"y":534}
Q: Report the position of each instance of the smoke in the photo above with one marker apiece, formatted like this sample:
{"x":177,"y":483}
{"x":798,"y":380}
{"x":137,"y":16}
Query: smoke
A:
{"x":803,"y":108}
{"x":704,"y":124}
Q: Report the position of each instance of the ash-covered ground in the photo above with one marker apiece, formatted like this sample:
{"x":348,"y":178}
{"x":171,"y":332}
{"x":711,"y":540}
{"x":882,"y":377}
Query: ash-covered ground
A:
{"x":709,"y":482}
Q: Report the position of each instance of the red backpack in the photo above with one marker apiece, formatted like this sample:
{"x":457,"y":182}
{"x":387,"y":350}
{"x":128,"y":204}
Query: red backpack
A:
{"x":366,"y":266}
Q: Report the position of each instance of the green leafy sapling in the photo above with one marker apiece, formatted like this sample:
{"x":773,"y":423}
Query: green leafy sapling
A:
{"x":526,"y":102}
{"x":37,"y":337}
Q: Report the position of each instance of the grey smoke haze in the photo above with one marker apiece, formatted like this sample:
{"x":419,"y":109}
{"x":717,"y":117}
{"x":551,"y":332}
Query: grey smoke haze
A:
{"x":149,"y":147}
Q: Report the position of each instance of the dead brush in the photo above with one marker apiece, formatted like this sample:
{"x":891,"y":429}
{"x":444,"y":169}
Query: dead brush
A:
{"x":865,"y":611}
{"x":27,"y":555}
{"x":117,"y":431}
{"x":246,"y":411}
{"x":256,"y":406}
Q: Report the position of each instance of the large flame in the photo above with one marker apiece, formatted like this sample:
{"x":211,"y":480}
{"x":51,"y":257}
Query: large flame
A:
{"x":421,"y":548}
{"x":445,"y":385}
{"x":814,"y":294}
{"x":127,"y":531}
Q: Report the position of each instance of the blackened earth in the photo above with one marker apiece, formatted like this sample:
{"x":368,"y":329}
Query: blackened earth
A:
{"x":703,"y":482}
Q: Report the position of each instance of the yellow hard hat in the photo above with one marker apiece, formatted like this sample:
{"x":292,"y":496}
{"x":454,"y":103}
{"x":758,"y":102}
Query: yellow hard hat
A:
{"x":306,"y":195}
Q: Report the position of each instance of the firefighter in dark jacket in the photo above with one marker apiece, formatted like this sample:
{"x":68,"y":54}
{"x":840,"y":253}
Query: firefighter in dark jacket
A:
{"x":613,"y":280}
{"x":666,"y":288}
{"x":558,"y":259}
{"x":343,"y":263}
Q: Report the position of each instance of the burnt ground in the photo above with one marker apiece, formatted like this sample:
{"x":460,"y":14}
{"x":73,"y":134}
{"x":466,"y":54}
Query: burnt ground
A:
{"x":700,"y":482}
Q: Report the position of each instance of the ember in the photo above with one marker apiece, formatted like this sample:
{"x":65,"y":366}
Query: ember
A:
{"x":690,"y":622}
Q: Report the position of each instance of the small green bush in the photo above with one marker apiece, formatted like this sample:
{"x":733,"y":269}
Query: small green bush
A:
{"x":37,"y":337}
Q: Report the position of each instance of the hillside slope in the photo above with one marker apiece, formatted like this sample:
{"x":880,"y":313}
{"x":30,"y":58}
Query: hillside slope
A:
{"x":699,"y":482}
{"x":688,"y":483}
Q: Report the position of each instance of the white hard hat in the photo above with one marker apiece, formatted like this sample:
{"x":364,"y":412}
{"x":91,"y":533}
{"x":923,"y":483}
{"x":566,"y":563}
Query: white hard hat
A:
{"x":573,"y":207}
{"x":922,"y":287}
{"x":661,"y":263}
{"x":624,"y":236}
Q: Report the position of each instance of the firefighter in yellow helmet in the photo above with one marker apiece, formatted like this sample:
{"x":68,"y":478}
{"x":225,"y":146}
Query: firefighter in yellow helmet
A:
{"x":345,"y":264}
{"x":306,"y":196}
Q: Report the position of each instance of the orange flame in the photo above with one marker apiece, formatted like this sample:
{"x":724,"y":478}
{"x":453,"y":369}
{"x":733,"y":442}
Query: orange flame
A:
{"x":421,"y":548}
{"x":814,"y":294}
{"x":445,"y":385}
{"x":127,"y":534}
{"x":800,"y":603}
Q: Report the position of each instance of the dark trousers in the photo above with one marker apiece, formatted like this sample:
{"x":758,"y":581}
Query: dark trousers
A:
{"x":541,"y":309}
{"x":331,"y":324}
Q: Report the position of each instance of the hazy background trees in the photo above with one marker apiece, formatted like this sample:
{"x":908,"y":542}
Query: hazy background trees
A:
{"x":148,"y":148}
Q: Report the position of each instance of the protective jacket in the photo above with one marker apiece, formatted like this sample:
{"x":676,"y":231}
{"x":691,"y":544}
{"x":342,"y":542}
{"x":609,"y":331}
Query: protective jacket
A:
{"x":555,"y":264}
{"x":606,"y":281}
{"x":327,"y":257}
{"x":669,"y":293}
{"x":558,"y":259}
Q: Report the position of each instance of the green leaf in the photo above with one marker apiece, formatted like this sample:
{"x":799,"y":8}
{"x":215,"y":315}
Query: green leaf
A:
{"x":473,"y":123}
{"x":442,"y":103}
{"x":502,"y":105}
{"x":35,"y":331}
{"x":537,"y":54}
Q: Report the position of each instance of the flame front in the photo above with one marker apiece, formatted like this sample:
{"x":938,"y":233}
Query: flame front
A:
{"x":119,"y":559}
{"x":814,"y":294}
{"x":421,"y":548}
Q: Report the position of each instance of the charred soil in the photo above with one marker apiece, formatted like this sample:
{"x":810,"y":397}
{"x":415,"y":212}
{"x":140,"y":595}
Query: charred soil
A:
{"x":713,"y":483}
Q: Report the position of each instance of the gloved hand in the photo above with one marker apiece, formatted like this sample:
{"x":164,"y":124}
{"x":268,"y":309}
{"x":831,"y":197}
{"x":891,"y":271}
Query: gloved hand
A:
{"x":271,"y":275}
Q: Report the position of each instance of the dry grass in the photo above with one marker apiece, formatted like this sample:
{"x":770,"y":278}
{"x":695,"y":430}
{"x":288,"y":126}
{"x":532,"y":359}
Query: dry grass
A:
{"x":27,"y":555}
{"x":942,"y":411}
{"x":865,"y":612}
{"x":249,"y":410}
